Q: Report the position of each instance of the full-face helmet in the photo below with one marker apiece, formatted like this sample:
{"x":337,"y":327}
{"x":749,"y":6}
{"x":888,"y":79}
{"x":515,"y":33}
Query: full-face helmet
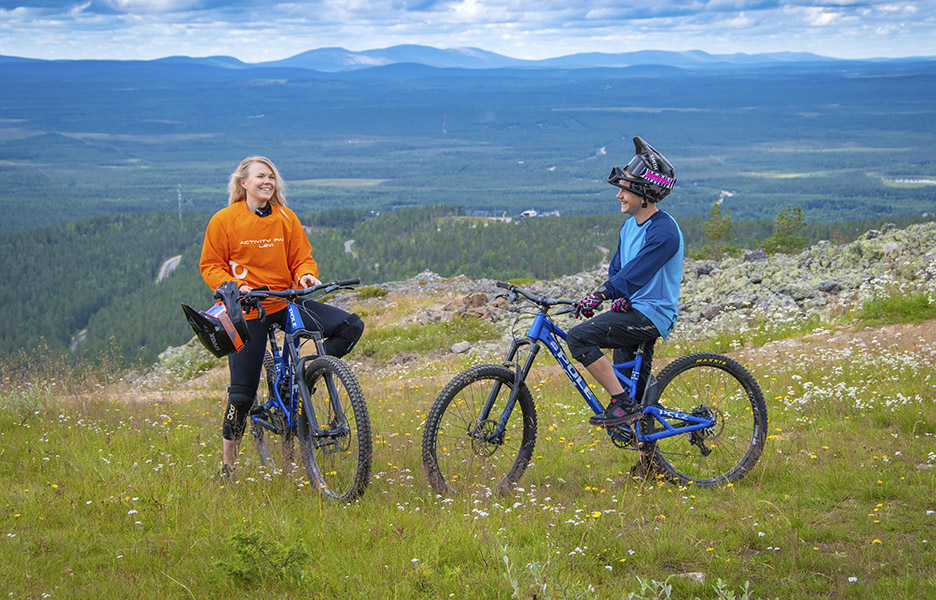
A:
{"x":222,"y":328}
{"x":650,"y":174}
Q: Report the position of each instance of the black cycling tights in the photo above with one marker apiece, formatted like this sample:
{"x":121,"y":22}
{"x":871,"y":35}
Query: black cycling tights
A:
{"x":340,"y":329}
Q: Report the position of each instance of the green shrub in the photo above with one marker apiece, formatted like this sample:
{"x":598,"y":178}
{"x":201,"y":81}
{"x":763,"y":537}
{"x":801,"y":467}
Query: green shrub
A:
{"x":898,"y":308}
{"x":371,"y":291}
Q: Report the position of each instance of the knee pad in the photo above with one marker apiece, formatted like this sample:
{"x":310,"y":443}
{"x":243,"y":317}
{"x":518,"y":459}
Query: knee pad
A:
{"x":345,"y":337}
{"x":240,"y":399}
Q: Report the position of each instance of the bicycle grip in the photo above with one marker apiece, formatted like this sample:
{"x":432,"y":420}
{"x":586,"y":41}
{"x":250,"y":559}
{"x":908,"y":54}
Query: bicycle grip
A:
{"x":502,"y":285}
{"x":345,"y":282}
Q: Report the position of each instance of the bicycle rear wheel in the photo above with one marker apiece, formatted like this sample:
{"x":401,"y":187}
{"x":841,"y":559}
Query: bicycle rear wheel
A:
{"x":711,"y":386}
{"x":268,"y":443}
{"x":338,"y":453}
{"x":462,"y":455}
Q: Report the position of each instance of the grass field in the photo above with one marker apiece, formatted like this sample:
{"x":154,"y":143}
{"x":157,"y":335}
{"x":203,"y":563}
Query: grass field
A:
{"x":106,"y":497}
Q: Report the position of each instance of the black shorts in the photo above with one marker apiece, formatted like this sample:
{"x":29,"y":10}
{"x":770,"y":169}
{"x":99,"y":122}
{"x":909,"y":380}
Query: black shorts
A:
{"x":624,"y":330}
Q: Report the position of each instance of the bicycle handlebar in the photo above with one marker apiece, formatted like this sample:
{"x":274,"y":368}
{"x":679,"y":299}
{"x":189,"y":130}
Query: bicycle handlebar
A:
{"x":540,"y":300}
{"x":324,"y":288}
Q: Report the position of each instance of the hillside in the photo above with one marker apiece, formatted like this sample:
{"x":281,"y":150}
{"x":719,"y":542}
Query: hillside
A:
{"x":737,"y":303}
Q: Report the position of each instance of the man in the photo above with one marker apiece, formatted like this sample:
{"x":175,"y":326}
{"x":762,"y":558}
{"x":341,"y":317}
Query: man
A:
{"x":643,"y":284}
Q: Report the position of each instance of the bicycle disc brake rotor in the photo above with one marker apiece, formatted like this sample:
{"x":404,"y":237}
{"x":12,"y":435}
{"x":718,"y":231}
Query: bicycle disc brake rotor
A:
{"x":483,"y":440}
{"x":338,"y":434}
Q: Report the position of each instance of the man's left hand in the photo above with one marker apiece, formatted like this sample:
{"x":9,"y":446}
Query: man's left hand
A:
{"x":621,"y":304}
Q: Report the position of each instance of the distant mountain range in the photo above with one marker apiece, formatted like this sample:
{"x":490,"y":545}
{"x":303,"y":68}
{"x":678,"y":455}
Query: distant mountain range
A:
{"x":340,"y":59}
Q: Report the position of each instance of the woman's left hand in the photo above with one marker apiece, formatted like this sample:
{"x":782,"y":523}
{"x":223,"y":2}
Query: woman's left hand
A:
{"x":308,"y":281}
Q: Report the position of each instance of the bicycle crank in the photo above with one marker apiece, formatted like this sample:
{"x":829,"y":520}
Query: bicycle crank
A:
{"x":622,"y":436}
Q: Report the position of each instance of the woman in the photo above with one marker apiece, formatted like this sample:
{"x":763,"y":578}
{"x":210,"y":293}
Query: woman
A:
{"x":257,"y":241}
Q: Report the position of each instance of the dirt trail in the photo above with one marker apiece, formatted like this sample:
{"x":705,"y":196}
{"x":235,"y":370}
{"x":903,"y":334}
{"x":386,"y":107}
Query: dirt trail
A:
{"x":902,"y":335}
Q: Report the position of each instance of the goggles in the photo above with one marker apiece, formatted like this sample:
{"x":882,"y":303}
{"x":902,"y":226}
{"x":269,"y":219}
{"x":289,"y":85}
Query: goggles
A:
{"x":640,"y":173}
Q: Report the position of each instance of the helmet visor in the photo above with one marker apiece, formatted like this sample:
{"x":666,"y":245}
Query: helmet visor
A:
{"x":618,"y":175}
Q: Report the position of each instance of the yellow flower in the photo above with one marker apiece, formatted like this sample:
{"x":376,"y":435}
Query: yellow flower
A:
{"x":876,"y":541}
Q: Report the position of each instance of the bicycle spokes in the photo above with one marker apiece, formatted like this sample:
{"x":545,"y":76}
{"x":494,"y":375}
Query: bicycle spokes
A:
{"x":334,"y":430}
{"x":466,"y":453}
{"x":721,"y":393}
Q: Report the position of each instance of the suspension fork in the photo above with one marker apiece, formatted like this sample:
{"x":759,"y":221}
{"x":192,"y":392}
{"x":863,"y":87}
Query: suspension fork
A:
{"x":330,"y":387}
{"x":520,"y":374}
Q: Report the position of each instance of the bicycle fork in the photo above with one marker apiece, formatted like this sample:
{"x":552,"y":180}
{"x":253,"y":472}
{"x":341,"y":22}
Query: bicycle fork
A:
{"x":497,"y":435}
{"x":325,"y":439}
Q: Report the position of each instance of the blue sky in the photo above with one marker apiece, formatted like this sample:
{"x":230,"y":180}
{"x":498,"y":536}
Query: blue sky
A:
{"x":259,"y":30}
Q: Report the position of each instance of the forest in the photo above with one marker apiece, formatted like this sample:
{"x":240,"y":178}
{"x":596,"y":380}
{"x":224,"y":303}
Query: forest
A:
{"x":89,"y":289}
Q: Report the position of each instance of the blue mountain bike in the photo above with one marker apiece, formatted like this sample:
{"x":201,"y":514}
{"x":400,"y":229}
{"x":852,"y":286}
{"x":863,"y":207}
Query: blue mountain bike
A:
{"x":315,"y":398}
{"x":704,"y":419}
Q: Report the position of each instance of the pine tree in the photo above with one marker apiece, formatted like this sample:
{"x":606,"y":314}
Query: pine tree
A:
{"x":718,"y":230}
{"x":787,"y":226}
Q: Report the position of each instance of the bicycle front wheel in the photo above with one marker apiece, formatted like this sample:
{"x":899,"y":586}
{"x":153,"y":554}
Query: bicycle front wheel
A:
{"x":337,"y":452}
{"x":714,"y":387}
{"x":464,"y":453}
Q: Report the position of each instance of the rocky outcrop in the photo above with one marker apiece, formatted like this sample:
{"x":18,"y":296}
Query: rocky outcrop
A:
{"x":733,"y":294}
{"x":739,"y":292}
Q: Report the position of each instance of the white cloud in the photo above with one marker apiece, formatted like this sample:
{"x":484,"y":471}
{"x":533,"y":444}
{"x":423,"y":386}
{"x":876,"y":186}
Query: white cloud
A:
{"x":151,"y":6}
{"x":819,"y":17}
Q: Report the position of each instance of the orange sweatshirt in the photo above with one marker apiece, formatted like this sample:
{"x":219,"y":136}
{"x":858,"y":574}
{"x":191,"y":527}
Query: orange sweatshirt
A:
{"x":257,"y":251}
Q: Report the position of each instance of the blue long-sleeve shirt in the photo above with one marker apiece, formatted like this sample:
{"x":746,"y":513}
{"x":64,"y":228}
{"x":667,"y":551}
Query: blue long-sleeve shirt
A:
{"x":647,"y":268}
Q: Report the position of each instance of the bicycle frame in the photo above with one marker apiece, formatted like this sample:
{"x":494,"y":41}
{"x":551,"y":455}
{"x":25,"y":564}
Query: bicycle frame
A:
{"x":544,"y":331}
{"x":285,"y":377}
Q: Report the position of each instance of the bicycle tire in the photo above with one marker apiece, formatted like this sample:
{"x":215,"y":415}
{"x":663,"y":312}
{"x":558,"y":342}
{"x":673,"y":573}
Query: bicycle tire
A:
{"x":458,"y":463}
{"x":720,"y":386}
{"x":338,"y":464}
{"x":264,"y":439}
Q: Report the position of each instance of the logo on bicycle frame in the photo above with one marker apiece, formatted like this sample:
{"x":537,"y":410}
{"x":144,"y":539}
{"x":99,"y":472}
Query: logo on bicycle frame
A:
{"x":566,"y":364}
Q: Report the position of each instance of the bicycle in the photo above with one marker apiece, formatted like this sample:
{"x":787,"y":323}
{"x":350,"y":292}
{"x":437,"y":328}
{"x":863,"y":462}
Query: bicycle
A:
{"x":315,"y":398}
{"x":704,"y":419}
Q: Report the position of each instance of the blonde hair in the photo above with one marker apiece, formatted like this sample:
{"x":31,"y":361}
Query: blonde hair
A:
{"x":239,"y":194}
